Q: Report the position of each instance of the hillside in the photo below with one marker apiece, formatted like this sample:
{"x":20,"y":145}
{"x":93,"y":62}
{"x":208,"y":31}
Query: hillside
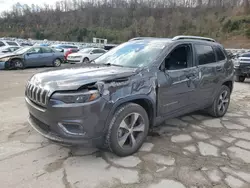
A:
{"x":119,"y":20}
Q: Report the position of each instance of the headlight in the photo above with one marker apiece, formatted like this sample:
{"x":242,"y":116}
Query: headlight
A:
{"x":5,"y":59}
{"x":236,"y":63}
{"x":76,"y":97}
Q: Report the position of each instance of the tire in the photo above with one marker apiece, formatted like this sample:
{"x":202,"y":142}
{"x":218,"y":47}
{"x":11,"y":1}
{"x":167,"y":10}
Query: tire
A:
{"x":18,"y":64}
{"x":85,"y":60}
{"x":57,"y":62}
{"x":114,"y":138}
{"x":216,"y":110}
{"x":240,"y":78}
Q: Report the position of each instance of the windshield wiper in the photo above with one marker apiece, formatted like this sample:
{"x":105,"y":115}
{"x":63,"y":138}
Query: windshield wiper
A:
{"x":110,"y":64}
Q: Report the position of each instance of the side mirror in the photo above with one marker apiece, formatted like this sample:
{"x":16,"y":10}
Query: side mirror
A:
{"x":91,"y":52}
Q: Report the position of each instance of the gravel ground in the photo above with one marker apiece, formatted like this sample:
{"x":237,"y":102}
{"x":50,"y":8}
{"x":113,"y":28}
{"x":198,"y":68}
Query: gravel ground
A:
{"x":194,"y":151}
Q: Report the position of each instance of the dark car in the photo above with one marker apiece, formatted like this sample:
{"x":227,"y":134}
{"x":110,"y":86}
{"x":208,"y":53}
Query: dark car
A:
{"x":242,"y":67}
{"x":112,"y":102}
{"x":31,"y":57}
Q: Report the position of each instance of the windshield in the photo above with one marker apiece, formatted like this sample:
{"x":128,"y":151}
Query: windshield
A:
{"x":133,"y":54}
{"x":22,"y":50}
{"x":87,"y":50}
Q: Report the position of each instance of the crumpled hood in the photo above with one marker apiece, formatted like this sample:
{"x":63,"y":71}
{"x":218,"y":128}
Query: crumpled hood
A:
{"x":74,"y":77}
{"x":8,"y":55}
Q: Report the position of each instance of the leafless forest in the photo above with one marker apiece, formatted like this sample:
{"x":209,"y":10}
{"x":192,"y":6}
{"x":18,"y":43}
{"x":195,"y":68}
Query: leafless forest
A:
{"x":119,"y":20}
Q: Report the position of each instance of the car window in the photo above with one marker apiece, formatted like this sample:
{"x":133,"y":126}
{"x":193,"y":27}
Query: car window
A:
{"x":95,"y":51}
{"x":12,"y":49}
{"x":2,"y":44}
{"x":205,"y":54}
{"x":12,"y":43}
{"x":47,"y":50}
{"x":219,"y":53}
{"x":100,"y":51}
{"x":35,"y":50}
{"x":245,"y":55}
{"x":179,"y":58}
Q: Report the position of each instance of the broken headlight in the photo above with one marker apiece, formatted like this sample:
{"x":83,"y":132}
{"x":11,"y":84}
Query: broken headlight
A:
{"x":76,"y":97}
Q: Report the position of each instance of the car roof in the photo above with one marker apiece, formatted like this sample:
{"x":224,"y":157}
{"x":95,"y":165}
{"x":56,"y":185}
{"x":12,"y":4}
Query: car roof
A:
{"x":182,"y":38}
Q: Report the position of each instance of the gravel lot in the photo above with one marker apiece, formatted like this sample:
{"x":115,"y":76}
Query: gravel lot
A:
{"x":187,"y":152}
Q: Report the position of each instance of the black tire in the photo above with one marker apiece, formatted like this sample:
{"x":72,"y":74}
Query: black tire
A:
{"x":57,"y":62}
{"x":112,"y":137}
{"x":214,"y":109}
{"x":17,"y":64}
{"x":85,"y":60}
{"x":240,"y":78}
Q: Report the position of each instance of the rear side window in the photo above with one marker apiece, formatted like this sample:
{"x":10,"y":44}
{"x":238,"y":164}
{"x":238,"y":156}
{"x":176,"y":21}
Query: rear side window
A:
{"x":12,"y":43}
{"x":47,"y":50}
{"x":219,"y":53}
{"x":205,"y":54}
{"x":2,"y":44}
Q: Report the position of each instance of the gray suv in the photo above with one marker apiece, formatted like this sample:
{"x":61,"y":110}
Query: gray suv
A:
{"x":114,"y":101}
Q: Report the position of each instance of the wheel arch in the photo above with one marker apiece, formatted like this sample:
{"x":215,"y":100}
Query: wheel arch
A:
{"x":229,"y":84}
{"x":144,"y":101}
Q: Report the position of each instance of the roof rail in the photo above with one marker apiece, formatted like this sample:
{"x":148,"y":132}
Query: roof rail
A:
{"x":193,"y":37}
{"x":140,"y":38}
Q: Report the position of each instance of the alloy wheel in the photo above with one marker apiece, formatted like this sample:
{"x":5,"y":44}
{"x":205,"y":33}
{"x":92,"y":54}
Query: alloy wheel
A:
{"x":223,"y":101}
{"x":131,"y":130}
{"x":18,"y":64}
{"x":57,"y":62}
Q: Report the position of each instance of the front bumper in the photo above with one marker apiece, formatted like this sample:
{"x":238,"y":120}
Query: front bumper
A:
{"x":73,"y":61}
{"x":62,"y":123}
{"x":242,"y":71}
{"x":2,"y":65}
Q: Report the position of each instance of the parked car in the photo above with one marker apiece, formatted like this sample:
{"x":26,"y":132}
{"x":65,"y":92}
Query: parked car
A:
{"x":242,"y":67}
{"x":8,"y":49}
{"x":63,"y":47}
{"x":85,"y":55}
{"x":70,"y":51}
{"x":31,"y":57}
{"x":113,"y":101}
{"x":8,"y":43}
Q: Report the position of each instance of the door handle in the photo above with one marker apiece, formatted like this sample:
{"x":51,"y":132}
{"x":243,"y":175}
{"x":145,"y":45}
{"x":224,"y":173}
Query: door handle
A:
{"x":219,"y":68}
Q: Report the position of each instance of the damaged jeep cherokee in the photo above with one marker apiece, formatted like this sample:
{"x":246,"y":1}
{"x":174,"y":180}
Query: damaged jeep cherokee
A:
{"x":114,"y":101}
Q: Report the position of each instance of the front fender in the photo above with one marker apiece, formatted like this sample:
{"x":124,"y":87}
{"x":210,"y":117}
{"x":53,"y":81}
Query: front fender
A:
{"x":133,"y":98}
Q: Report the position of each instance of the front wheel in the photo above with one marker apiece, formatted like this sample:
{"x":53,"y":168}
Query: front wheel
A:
{"x":18,"y":64}
{"x":85,"y":60}
{"x":221,"y":103}
{"x":240,"y":78}
{"x":128,"y":129}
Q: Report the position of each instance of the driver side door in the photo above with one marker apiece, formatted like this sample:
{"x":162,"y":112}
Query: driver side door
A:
{"x":177,"y":82}
{"x":33,"y":57}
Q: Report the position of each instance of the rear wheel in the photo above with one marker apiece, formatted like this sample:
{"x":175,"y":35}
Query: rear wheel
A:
{"x":128,"y":130}
{"x":57,"y":62}
{"x":221,"y":103}
{"x":240,"y":78}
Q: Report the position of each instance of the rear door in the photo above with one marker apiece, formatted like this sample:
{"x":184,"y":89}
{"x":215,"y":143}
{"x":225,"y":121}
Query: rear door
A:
{"x":48,"y":56}
{"x":177,"y":83}
{"x":210,"y":72}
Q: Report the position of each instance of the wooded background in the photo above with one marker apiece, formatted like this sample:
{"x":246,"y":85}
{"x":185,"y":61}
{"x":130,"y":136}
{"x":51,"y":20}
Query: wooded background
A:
{"x":120,"y":20}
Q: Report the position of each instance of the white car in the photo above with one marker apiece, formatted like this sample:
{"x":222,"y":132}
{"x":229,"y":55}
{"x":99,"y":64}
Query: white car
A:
{"x":8,"y":43}
{"x":8,"y":49}
{"x":85,"y":55}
